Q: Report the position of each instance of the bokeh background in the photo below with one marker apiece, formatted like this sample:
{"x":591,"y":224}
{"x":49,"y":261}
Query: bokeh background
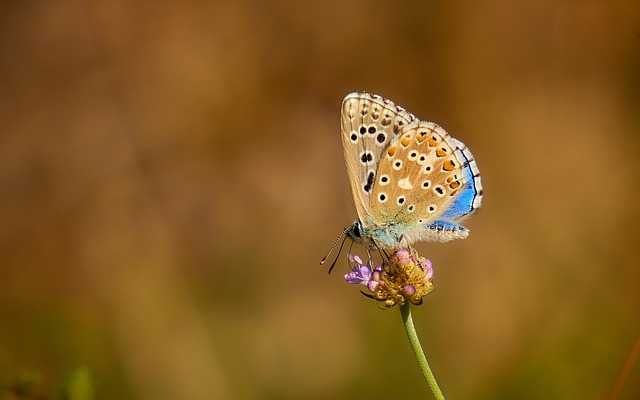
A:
{"x":171,"y":174}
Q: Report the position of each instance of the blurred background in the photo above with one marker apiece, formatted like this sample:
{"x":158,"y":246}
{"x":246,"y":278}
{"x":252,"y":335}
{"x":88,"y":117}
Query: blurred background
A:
{"x":171,"y":174}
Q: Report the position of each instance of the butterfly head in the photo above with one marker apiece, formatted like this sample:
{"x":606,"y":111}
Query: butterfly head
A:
{"x":355,"y":232}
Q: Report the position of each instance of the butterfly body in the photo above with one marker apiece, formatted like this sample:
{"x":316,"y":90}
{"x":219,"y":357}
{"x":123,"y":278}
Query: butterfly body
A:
{"x":410,"y":180}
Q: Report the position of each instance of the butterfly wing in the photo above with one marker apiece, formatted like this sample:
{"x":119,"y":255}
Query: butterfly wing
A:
{"x":369,"y":123}
{"x":426,"y":182}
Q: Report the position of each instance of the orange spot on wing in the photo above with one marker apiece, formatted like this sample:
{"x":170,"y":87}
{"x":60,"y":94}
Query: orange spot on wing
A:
{"x":440,"y":153}
{"x":391,"y":151}
{"x":433,"y":141}
{"x":448,"y":165}
{"x":421,"y":137}
{"x":454,"y":185}
{"x":405,"y":141}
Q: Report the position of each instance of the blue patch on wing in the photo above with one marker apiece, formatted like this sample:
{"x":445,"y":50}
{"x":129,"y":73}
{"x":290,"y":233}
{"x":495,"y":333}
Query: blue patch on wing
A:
{"x":440,"y":226}
{"x":463,"y":203}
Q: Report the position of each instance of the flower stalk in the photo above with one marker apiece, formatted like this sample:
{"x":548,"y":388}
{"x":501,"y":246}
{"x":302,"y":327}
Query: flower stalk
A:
{"x":404,"y":278}
{"x":419,"y":353}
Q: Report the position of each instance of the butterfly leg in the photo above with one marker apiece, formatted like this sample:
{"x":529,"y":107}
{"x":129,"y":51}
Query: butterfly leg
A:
{"x":383,"y":253}
{"x":369,"y":255}
{"x":414,"y":252}
{"x":407,"y":245}
{"x":372,"y":245}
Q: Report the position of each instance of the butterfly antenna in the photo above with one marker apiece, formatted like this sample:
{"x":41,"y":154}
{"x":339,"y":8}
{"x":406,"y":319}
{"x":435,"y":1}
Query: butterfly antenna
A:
{"x":335,"y":244}
{"x":333,"y":264}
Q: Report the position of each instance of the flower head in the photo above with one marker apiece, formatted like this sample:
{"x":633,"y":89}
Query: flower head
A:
{"x":403,"y":277}
{"x":360,"y":274}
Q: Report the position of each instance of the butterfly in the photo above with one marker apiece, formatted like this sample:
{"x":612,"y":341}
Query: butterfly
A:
{"x":411,"y":181}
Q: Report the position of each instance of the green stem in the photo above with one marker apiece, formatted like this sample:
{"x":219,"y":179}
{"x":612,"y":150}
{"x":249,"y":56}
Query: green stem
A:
{"x":417,"y":349}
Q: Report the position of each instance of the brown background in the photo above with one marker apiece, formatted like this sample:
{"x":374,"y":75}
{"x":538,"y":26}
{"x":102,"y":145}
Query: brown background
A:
{"x":171,"y":174}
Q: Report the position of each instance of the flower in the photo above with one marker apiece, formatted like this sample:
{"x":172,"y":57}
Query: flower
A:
{"x":360,"y":274}
{"x":404,"y":276}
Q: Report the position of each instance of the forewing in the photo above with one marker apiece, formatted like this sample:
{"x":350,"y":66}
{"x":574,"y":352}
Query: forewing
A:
{"x":369,"y":124}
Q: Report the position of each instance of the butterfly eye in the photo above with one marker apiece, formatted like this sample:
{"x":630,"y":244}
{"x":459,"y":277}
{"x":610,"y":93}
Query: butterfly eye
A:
{"x":432,"y":208}
{"x":356,"y":231}
{"x":384,"y":179}
{"x":411,"y":208}
{"x":439,"y":190}
{"x":401,"y":200}
{"x":353,"y":137}
{"x":381,"y":138}
{"x":413,"y":155}
{"x":372,"y":130}
{"x":382,"y":197}
{"x":427,"y":169}
{"x":397,"y":165}
{"x":426,"y":184}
